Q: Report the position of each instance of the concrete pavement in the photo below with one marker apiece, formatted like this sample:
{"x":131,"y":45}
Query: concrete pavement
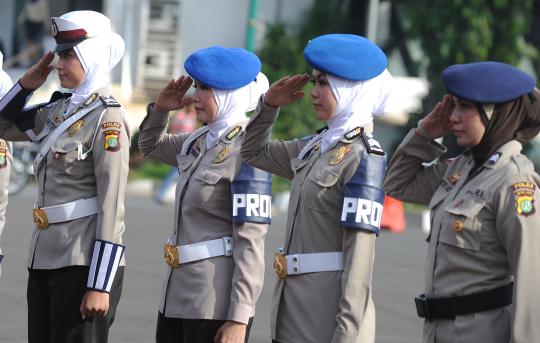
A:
{"x":398,"y":274}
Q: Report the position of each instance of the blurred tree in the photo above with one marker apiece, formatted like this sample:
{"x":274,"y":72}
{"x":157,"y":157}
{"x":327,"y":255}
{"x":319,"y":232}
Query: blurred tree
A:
{"x":463,"y":31}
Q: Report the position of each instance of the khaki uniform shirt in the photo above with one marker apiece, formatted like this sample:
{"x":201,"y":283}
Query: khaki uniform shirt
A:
{"x":485,"y":230}
{"x":79,"y":165}
{"x":325,"y":306}
{"x":5,"y":169}
{"x":223,"y":287}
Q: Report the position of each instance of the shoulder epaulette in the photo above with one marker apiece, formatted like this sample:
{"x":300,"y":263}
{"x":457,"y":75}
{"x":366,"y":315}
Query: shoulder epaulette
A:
{"x":109,"y":101}
{"x":372,"y":145}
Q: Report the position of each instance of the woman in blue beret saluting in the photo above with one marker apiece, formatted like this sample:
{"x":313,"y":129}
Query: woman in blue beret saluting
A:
{"x":481,"y":284}
{"x":324,"y":269}
{"x":215,"y":254}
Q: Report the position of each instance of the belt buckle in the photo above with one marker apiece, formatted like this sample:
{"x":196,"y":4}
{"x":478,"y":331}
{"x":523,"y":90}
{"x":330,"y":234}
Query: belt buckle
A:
{"x":280,"y":265}
{"x":171,"y":255}
{"x":40,"y":218}
{"x":422,"y":306}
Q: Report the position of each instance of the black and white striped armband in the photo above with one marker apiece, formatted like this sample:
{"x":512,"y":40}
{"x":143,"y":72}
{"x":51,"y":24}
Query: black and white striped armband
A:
{"x":105,"y":261}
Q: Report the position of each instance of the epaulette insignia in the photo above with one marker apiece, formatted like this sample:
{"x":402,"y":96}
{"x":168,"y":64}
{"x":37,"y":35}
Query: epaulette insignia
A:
{"x":338,"y":154}
{"x":76,"y":127}
{"x":3,"y":155}
{"x":307,"y":138}
{"x":494,"y":158}
{"x":454,"y":178}
{"x":354,"y":133}
{"x":109,"y":101}
{"x":372,"y":146}
{"x":90,"y":99}
{"x":524,"y":193}
{"x":112,"y":140}
{"x":222,"y":155}
{"x":233,"y":132}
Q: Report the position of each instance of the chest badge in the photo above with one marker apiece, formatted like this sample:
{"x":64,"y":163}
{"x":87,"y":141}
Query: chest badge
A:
{"x":76,"y":127}
{"x":454,"y":178}
{"x":338,"y":154}
{"x":57,"y":119}
{"x":222,"y":155}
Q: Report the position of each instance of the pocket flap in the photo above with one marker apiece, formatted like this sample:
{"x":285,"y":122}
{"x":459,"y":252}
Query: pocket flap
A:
{"x":208,"y":177}
{"x":465,"y":207}
{"x":323,"y":177}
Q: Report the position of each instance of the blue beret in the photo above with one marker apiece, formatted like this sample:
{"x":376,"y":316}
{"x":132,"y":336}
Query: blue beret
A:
{"x":487,"y":82}
{"x":347,"y":56}
{"x":223,"y":68}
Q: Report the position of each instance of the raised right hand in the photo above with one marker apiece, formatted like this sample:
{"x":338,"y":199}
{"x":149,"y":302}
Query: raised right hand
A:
{"x":171,"y":97}
{"x":286,"y":90}
{"x":38,"y":73}
{"x":437,"y":123}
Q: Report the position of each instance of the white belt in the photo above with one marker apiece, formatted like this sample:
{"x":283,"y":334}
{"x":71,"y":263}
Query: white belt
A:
{"x":307,"y":263}
{"x":207,"y":249}
{"x":68,"y":211}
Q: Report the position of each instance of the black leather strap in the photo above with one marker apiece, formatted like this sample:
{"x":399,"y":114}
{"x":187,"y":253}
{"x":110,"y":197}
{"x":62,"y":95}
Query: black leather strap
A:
{"x":449,"y":308}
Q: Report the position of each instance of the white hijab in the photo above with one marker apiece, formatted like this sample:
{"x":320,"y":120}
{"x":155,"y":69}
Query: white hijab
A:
{"x":98,"y":55}
{"x":357,"y":102}
{"x":5,"y":80}
{"x":232,"y":106}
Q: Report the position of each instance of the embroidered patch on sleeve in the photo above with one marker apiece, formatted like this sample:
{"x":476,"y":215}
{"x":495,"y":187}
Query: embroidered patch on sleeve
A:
{"x":111,"y":125}
{"x":112,"y":140}
{"x":3,"y":154}
{"x":524,"y":195}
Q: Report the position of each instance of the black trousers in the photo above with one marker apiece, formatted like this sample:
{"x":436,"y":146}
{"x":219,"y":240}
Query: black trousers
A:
{"x":54,"y":297}
{"x":177,"y":330}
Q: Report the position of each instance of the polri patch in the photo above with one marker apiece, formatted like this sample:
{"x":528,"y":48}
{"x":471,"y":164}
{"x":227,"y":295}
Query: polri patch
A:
{"x":3,"y":154}
{"x":112,"y":140}
{"x":111,"y":125}
{"x":524,"y":195}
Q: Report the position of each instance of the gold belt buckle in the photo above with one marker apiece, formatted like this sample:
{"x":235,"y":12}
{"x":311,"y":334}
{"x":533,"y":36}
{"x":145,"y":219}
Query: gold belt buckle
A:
{"x":40,"y":218}
{"x":171,"y":255}
{"x":280,"y":265}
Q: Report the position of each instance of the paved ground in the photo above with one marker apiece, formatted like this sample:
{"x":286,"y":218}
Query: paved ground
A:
{"x":398,"y":275}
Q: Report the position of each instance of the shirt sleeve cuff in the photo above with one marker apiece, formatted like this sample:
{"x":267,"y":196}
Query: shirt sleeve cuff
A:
{"x":240,"y":313}
{"x":105,"y":261}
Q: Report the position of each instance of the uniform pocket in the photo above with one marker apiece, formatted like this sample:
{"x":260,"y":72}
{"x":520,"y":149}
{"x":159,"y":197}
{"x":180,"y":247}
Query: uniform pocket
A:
{"x":462,"y":224}
{"x":211,"y":193}
{"x":319,"y":193}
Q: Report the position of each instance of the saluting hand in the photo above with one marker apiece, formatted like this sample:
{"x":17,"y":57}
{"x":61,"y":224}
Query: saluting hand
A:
{"x":231,"y":332}
{"x":38,"y":73}
{"x":437,"y":123}
{"x":94,"y":303}
{"x":171,"y":97}
{"x":286,"y":90}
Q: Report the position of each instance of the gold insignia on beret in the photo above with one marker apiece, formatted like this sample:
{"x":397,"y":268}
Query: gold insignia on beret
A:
{"x":75,"y":127}
{"x":234,"y":132}
{"x":222,"y":155}
{"x":171,"y":255}
{"x":338,"y":154}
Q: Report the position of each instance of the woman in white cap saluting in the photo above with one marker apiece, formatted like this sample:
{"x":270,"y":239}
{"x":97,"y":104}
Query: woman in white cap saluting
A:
{"x":76,"y":252}
{"x":5,"y":159}
{"x":324,"y":268}
{"x":215,"y":254}
{"x":482,"y":277}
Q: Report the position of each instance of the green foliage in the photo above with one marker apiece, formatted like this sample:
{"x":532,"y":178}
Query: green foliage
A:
{"x":463,"y":31}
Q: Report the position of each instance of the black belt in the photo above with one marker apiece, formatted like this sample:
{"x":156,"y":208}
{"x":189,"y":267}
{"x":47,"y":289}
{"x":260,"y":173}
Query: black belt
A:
{"x":449,"y":308}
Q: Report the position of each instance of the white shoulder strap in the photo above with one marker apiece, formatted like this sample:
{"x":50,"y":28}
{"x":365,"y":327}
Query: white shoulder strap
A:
{"x":51,"y":139}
